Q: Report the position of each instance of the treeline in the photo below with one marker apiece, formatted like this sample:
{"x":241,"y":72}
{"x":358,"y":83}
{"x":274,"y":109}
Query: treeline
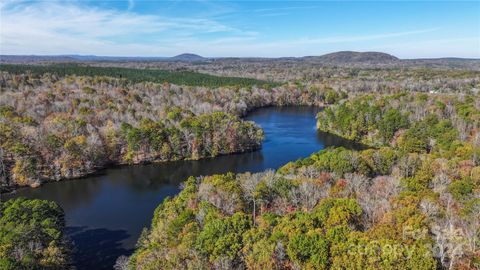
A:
{"x":185,"y":135}
{"x":32,"y":235}
{"x":68,"y":147}
{"x":135,"y":75}
{"x":417,"y":123}
{"x":338,"y":209}
{"x":412,"y":202}
{"x":53,"y":128}
{"x":382,"y":79}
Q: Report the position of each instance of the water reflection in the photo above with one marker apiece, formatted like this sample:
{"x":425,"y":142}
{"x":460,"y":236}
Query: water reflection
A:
{"x":106,"y":249}
{"x":106,"y":213}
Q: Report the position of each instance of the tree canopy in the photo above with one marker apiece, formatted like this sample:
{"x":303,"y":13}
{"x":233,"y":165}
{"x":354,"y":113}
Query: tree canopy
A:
{"x":32,"y":235}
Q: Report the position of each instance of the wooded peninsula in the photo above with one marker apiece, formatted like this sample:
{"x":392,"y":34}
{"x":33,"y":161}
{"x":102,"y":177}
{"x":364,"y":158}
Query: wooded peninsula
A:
{"x":409,"y":200}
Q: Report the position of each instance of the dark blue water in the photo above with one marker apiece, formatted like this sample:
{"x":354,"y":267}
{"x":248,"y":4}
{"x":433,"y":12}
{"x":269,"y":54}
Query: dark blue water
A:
{"x":106,"y":213}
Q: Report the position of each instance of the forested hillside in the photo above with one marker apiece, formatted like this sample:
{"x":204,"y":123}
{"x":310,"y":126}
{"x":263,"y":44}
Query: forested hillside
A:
{"x":55,"y":127}
{"x":417,"y":75}
{"x":133,"y":75}
{"x":338,"y":209}
{"x":411,"y":203}
{"x":420,"y":123}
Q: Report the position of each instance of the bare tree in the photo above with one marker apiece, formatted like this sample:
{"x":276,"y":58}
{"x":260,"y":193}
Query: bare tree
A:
{"x":248,"y":183}
{"x":375,"y":199}
{"x":440,"y":183}
{"x":121,"y":263}
{"x":309,"y":193}
{"x":449,"y":238}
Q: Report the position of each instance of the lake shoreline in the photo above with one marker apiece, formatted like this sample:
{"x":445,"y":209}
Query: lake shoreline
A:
{"x":111,"y":164}
{"x":114,"y":205}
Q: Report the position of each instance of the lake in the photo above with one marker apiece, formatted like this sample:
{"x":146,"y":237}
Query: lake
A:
{"x":105,"y":213}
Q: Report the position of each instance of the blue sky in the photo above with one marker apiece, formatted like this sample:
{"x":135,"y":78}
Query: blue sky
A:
{"x":240,"y":28}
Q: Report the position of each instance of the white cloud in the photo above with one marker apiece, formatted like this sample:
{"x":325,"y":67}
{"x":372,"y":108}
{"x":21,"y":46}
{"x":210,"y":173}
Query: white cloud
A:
{"x":51,"y":27}
{"x":131,"y":4}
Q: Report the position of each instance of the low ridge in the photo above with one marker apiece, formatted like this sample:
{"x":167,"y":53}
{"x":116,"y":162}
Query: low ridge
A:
{"x":188,"y":57}
{"x":344,"y":57}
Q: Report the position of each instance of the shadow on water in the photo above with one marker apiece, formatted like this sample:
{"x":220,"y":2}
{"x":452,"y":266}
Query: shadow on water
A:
{"x":105,"y":246}
{"x":331,"y":140}
{"x":105,"y":213}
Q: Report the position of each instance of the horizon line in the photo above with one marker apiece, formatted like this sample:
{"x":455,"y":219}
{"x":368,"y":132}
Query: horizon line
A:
{"x":226,"y":57}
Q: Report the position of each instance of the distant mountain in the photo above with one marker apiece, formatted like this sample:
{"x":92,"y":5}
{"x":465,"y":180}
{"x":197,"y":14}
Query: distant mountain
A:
{"x":35,"y":58}
{"x":74,"y":58}
{"x":341,"y":59}
{"x":349,"y":57}
{"x":96,"y":58}
{"x":187,"y":57}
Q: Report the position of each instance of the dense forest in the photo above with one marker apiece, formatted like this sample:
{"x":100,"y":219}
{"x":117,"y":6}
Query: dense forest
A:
{"x":417,"y":75}
{"x":414,"y":122}
{"x":183,"y":77}
{"x":55,"y":127}
{"x":337,"y":209}
{"x":409,"y":201}
{"x":32,"y":235}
